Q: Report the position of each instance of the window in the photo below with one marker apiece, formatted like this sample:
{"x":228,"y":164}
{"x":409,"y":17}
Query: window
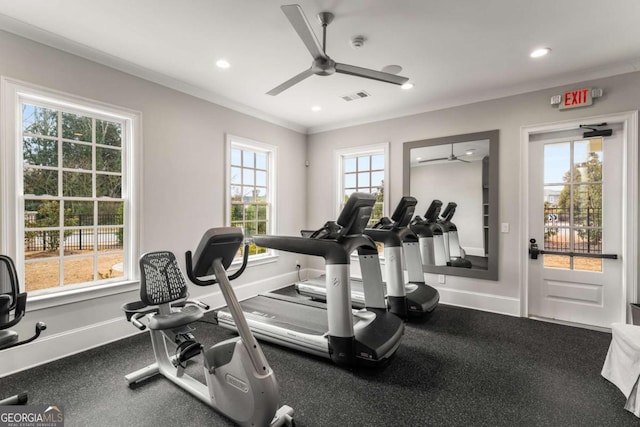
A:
{"x":251,"y":191}
{"x":573,"y":203}
{"x":73,"y":190}
{"x":363,"y":170}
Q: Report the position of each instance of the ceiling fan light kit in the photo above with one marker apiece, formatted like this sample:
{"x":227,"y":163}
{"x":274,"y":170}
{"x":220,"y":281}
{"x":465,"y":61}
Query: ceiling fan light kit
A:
{"x":322,"y":64}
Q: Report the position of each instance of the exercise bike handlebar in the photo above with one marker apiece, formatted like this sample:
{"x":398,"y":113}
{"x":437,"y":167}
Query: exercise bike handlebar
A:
{"x":199,"y":282}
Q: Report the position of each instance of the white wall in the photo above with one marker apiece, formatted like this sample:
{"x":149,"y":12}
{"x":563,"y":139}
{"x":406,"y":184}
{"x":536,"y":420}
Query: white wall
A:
{"x":621,"y":93}
{"x":453,"y":182}
{"x":182,"y":181}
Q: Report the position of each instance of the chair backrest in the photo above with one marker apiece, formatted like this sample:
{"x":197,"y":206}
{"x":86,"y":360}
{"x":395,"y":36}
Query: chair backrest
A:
{"x":161,"y":280}
{"x":9,"y":288}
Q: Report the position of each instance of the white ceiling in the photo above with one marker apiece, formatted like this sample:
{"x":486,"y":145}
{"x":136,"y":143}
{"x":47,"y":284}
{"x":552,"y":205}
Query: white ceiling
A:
{"x":454,"y":51}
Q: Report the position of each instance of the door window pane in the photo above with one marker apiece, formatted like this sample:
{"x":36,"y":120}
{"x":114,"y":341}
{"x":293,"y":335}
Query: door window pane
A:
{"x":587,"y":158}
{"x":557,"y":162}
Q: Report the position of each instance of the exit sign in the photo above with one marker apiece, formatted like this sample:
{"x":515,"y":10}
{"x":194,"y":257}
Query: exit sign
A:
{"x":576,"y":98}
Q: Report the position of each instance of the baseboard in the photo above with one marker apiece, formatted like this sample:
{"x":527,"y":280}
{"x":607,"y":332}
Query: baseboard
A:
{"x":467,"y":299}
{"x":474,"y":251}
{"x":479,"y":301}
{"x":53,"y":347}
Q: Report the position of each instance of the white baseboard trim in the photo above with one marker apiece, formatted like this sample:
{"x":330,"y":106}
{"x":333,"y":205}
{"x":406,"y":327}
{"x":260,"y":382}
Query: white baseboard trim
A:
{"x":479,"y":301}
{"x":474,"y":251}
{"x":475,"y":300}
{"x":48,"y":348}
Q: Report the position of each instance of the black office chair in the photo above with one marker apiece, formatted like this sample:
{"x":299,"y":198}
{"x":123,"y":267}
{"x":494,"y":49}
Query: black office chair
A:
{"x":12,"y":301}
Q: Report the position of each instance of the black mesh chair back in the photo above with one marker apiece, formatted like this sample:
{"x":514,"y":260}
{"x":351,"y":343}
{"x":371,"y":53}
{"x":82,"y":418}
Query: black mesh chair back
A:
{"x":161,"y":280}
{"x":11,"y":300}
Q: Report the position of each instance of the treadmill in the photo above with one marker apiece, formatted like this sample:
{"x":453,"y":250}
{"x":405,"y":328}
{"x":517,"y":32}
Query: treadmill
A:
{"x":451,"y":241}
{"x":412,"y":299}
{"x":367,"y":337}
{"x":430,"y":235}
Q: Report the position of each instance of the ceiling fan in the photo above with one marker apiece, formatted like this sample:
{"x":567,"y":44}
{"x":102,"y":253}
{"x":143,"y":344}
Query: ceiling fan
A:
{"x":322,"y":65}
{"x":452,"y":157}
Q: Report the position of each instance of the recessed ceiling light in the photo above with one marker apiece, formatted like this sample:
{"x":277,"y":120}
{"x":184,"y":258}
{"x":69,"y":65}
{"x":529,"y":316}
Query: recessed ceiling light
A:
{"x":418,"y":158}
{"x":223,"y":63}
{"x":540,"y":52}
{"x":392,"y":69}
{"x":407,"y":86}
{"x":316,"y":108}
{"x":470,"y":151}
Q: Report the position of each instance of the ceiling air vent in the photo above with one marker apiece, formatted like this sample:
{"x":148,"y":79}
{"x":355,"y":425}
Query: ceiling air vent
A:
{"x":356,"y":95}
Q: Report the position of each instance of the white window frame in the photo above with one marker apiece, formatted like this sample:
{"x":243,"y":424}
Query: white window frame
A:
{"x":14,"y":93}
{"x":363,"y":150}
{"x":233,"y":141}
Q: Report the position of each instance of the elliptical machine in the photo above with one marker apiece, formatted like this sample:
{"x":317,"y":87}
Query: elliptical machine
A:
{"x":451,"y":242}
{"x":239,"y":381}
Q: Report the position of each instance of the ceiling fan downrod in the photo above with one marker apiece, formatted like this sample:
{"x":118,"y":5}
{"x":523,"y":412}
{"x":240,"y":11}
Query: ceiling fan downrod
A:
{"x":325,"y":19}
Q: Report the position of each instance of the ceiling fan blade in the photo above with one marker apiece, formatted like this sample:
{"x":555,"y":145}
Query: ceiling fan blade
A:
{"x":370,"y":74}
{"x":433,"y":160}
{"x":301,"y":25}
{"x":463,"y":161}
{"x":292,"y":81}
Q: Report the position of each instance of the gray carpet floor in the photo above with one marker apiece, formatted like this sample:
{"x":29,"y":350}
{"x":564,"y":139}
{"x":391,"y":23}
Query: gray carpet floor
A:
{"x":460,"y":367}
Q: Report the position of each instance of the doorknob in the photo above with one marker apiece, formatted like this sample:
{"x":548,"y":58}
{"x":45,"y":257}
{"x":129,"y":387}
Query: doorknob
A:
{"x":533,"y":249}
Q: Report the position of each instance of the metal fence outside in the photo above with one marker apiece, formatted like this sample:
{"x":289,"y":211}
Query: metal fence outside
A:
{"x":78,"y":238}
{"x":586,"y":230}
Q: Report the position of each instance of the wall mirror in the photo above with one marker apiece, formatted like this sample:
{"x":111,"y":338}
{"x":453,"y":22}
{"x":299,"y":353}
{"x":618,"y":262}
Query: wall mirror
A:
{"x":462,"y":169}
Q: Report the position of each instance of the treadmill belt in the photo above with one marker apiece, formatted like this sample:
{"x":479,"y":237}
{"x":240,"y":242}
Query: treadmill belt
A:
{"x":297,"y":317}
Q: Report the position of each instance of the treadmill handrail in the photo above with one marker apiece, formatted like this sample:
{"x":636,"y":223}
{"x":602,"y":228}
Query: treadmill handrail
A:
{"x":333,"y":251}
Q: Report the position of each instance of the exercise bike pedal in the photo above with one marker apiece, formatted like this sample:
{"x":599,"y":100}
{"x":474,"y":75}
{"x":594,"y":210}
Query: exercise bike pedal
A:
{"x":187,"y":350}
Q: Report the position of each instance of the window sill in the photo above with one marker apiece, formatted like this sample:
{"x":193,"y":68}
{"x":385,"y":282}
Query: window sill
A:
{"x":71,"y":296}
{"x":259,"y":260}
{"x":54,"y":299}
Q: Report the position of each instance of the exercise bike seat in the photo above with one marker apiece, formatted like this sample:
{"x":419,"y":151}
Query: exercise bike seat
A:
{"x":188,"y":314}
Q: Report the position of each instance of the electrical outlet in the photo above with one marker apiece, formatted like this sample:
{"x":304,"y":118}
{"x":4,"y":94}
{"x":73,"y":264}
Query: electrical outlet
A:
{"x":297,"y":264}
{"x":441,"y":278}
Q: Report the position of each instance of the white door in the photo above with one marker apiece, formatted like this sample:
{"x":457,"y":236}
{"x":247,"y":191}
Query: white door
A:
{"x":576,"y":213}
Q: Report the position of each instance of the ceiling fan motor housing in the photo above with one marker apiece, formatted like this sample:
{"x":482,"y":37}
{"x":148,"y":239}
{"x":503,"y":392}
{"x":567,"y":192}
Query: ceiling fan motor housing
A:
{"x":323,"y":66}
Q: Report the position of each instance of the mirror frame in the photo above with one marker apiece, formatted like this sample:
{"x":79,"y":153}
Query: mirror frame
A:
{"x":491,"y":273}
